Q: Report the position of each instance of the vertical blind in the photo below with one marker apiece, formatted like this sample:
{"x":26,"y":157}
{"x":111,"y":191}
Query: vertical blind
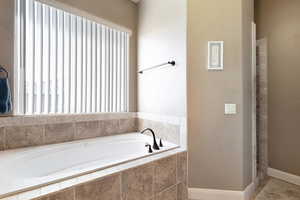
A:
{"x":69,"y":64}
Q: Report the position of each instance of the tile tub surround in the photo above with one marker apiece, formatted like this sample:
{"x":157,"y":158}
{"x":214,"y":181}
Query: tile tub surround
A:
{"x":157,"y":180}
{"x":23,"y":136}
{"x":27,"y":131}
{"x":20,"y":132}
{"x":170,"y":128}
{"x":163,"y":130}
{"x":2,"y":139}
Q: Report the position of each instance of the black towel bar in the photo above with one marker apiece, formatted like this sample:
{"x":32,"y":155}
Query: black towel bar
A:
{"x":173,"y":63}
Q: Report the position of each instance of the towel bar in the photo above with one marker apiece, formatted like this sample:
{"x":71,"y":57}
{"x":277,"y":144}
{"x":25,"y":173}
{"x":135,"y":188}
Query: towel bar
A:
{"x":173,"y":63}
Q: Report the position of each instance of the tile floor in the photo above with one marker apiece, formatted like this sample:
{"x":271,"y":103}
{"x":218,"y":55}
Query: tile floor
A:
{"x":275,"y":189}
{"x":279,"y":190}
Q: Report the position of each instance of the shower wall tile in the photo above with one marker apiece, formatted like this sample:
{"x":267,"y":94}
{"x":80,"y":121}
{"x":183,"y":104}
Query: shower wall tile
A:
{"x":164,"y":173}
{"x":262,"y":108}
{"x":58,"y":133}
{"x":18,"y":137}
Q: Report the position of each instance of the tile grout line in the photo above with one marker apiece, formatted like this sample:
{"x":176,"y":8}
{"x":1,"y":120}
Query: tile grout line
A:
{"x":154,"y":180}
{"x":74,"y":189}
{"x":120,"y":180}
{"x":44,"y":135}
{"x":4,"y":139}
{"x":176,"y":165}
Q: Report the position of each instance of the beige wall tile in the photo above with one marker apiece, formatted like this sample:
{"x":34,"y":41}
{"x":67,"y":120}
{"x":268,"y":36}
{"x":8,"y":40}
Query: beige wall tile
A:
{"x":107,"y":188}
{"x":68,"y":194}
{"x":43,"y":198}
{"x":2,"y":139}
{"x":140,"y":124}
{"x":58,"y":133}
{"x":128,"y":125}
{"x":84,"y":130}
{"x":109,"y":127}
{"x":137,"y":183}
{"x":152,"y":181}
{"x":165,"y":131}
{"x":57,"y":130}
{"x":164,"y":173}
{"x":182,"y":192}
{"x":169,"y":194}
{"x":182,"y":168}
{"x":17,"y":137}
{"x":170,"y":133}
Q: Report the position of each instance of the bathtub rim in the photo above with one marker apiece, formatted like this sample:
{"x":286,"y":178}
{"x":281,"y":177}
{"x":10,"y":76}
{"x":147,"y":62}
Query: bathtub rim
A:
{"x":64,"y":183}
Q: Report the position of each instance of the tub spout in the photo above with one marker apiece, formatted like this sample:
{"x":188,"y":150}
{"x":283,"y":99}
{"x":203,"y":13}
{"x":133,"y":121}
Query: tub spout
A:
{"x":155,"y":146}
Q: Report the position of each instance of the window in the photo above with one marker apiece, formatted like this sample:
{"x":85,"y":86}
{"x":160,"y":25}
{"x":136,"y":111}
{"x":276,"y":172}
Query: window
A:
{"x":68,"y":64}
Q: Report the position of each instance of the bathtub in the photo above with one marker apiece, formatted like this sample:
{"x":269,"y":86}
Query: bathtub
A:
{"x":25,"y":169}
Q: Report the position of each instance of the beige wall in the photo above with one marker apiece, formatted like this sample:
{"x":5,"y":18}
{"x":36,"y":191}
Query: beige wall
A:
{"x":219,"y":145}
{"x":162,"y":37}
{"x":7,"y":36}
{"x":278,"y":21}
{"x":121,"y":12}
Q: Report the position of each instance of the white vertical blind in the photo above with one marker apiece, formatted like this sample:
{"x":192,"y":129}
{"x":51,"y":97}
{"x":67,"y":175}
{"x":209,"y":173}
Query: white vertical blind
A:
{"x":68,"y":63}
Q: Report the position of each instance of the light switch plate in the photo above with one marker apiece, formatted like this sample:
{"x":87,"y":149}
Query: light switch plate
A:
{"x":230,"y":109}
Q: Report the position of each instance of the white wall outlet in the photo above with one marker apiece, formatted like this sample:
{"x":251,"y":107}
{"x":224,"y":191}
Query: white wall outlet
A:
{"x":230,"y":109}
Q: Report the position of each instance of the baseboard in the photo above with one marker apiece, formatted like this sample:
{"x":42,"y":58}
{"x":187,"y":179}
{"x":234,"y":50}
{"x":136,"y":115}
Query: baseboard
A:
{"x":208,"y":194}
{"x":290,"y":178}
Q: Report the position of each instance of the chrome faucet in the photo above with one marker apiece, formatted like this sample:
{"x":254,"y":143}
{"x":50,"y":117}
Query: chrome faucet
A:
{"x":155,"y":146}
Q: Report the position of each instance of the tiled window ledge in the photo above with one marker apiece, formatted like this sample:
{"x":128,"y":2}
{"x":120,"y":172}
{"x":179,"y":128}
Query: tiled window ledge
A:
{"x":28,"y":120}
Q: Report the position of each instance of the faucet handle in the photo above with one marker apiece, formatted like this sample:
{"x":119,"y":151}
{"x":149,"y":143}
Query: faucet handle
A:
{"x":150,"y":148}
{"x":160,"y":143}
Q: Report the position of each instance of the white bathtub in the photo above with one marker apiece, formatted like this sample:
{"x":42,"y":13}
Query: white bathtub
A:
{"x":28,"y":168}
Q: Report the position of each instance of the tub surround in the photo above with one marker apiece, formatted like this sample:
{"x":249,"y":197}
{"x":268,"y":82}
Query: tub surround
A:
{"x":38,"y":166}
{"x":61,"y":118}
{"x":33,"y":131}
{"x":164,"y":131}
{"x":28,"y":131}
{"x":157,"y":180}
{"x":162,"y":176}
{"x":2,"y":139}
{"x":170,"y":128}
{"x":36,"y":135}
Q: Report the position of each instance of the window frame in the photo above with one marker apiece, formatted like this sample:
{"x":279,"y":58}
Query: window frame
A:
{"x":19,"y":44}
